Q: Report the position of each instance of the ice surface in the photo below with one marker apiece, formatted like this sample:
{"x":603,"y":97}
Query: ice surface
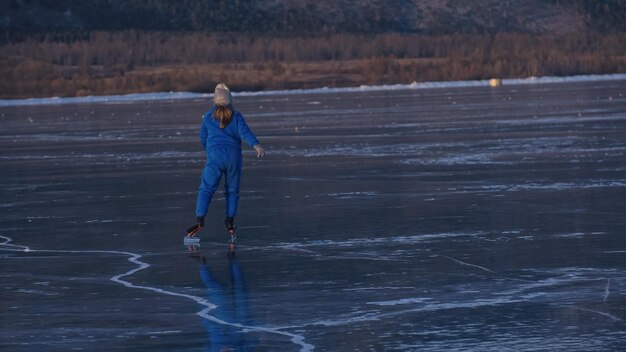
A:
{"x":455,"y":218}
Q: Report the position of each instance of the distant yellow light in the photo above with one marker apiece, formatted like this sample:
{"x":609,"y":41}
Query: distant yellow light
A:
{"x":495,"y":82}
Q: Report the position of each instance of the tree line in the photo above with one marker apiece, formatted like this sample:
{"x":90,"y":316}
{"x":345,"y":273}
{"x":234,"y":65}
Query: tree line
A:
{"x":302,"y":17}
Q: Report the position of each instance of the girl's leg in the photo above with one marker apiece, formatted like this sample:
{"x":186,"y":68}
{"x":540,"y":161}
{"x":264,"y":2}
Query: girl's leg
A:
{"x":231,"y":185}
{"x":210,"y":181}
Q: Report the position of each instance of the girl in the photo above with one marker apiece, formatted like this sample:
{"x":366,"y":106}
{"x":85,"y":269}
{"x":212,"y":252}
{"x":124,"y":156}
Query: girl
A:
{"x":221,"y":133}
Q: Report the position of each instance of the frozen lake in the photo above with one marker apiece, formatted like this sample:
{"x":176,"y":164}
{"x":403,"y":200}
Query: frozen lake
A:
{"x":434,"y":220}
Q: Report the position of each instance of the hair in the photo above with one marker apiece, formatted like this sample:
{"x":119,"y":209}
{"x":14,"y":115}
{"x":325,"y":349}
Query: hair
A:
{"x":223,"y":114}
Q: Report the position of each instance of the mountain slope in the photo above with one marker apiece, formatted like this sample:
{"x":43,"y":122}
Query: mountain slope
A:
{"x":297,"y":17}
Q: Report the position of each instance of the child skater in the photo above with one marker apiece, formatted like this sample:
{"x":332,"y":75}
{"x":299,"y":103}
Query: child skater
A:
{"x":221,"y":132}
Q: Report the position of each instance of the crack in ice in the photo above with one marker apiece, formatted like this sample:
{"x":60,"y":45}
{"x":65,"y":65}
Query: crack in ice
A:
{"x":606,"y":290}
{"x":468,"y":264}
{"x":134,"y":258}
{"x":612,"y":317}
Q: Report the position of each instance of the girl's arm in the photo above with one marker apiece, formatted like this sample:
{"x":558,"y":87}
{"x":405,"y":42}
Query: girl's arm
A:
{"x":203,"y":132}
{"x":245,"y":133}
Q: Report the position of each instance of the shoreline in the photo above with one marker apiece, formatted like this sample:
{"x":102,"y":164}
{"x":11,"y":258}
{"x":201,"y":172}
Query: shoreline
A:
{"x":164,"y":96}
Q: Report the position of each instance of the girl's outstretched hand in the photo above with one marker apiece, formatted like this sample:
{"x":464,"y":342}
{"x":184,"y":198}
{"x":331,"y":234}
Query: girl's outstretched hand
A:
{"x":260,"y":152}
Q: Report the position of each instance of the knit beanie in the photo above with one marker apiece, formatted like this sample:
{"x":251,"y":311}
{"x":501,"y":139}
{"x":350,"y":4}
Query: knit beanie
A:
{"x":222,"y":95}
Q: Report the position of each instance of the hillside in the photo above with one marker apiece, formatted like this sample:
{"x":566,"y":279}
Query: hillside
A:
{"x":297,"y":17}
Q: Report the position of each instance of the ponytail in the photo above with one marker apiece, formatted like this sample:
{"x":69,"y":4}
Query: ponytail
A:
{"x":223,"y":114}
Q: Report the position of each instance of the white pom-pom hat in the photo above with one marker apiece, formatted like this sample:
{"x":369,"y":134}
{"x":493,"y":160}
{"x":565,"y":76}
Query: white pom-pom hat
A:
{"x":222,"y":96}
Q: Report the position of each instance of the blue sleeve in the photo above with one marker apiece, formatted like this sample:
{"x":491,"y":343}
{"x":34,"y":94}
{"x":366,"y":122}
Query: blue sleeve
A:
{"x":245,"y":133}
{"x":203,"y":132}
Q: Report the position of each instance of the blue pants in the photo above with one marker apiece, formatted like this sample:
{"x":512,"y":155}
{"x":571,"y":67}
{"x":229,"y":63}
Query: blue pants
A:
{"x":220,"y":161}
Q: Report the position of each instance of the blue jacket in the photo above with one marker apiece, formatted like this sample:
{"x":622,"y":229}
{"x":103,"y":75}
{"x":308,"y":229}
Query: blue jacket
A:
{"x":211,"y":135}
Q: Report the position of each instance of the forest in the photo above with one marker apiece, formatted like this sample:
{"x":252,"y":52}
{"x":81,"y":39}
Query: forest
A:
{"x":306,"y":17}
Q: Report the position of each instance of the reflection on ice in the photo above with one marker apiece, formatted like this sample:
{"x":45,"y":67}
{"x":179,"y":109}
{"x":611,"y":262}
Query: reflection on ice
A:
{"x":231,"y":305}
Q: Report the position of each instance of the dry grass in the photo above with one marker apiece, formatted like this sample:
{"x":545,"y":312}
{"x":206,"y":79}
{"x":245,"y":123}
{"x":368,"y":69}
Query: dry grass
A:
{"x":110,"y":63}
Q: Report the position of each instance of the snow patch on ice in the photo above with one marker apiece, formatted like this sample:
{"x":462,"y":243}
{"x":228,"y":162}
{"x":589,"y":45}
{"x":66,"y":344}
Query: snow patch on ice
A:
{"x":37,"y":292}
{"x":351,"y":195}
{"x":374,"y":241}
{"x":571,"y":235}
{"x":104,"y":99}
{"x":400,"y":301}
{"x":557,"y":186}
{"x":129,"y":98}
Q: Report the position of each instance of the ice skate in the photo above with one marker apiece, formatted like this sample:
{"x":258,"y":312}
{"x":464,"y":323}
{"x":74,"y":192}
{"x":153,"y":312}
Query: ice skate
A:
{"x":230,"y":226}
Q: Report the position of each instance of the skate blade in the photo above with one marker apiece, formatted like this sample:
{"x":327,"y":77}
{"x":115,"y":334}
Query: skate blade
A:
{"x":191,"y":241}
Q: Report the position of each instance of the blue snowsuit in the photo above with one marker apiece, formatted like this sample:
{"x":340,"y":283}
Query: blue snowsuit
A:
{"x":223,"y":150}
